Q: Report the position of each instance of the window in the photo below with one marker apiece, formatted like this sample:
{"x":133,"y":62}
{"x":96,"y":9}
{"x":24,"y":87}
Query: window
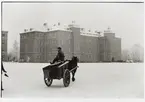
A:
{"x":3,"y":51}
{"x":68,"y":36}
{"x":33,"y":36}
{"x":38,"y":35}
{"x":24,"y":36}
{"x":38,"y":57}
{"x":54,"y":42}
{"x":54,"y":35}
{"x":3,"y":57}
{"x":3,"y":35}
{"x":3,"y":42}
{"x":50,"y":41}
{"x":69,"y":49}
{"x":40,"y":50}
{"x":69,"y":42}
{"x":41,"y":43}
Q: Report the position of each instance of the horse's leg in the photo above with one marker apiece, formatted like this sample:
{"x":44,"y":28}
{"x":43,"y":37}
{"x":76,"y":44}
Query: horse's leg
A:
{"x":73,"y":74}
{"x":73,"y":79}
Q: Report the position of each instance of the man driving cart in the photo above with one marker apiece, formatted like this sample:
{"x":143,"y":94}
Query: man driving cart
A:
{"x":60,"y":68}
{"x":59,"y":57}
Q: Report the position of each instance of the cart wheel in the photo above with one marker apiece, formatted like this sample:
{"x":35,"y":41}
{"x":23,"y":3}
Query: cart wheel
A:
{"x":66,"y":78}
{"x":48,"y":81}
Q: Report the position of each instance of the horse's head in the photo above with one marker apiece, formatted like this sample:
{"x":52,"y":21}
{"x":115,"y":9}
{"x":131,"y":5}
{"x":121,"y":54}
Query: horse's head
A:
{"x":75,"y":59}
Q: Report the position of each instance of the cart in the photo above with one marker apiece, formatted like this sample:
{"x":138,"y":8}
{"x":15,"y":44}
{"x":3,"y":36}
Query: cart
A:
{"x":58,"y":71}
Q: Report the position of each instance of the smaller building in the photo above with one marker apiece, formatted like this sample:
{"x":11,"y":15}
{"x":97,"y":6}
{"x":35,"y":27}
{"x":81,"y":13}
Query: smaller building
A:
{"x":4,"y":45}
{"x":31,"y":46}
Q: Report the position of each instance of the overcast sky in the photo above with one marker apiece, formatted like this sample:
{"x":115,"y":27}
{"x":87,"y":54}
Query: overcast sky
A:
{"x":125,"y":19}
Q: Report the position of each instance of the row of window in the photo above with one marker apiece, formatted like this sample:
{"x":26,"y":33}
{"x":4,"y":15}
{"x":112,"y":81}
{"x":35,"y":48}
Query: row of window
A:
{"x":31,"y":35}
{"x":48,"y":56}
{"x":4,"y":42}
{"x":52,"y":41}
{"x":4,"y":35}
{"x":62,"y":42}
{"x":68,"y":49}
{"x":51,"y":35}
{"x":40,"y":49}
{"x":3,"y":51}
{"x":88,"y":57}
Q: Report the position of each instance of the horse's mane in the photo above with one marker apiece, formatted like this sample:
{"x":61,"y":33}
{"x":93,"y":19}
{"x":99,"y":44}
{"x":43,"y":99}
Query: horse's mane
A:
{"x":73,"y":62}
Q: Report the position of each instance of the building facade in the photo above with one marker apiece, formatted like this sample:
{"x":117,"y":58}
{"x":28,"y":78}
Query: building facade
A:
{"x":4,"y":45}
{"x":31,"y":46}
{"x":88,"y":47}
{"x":110,"y":47}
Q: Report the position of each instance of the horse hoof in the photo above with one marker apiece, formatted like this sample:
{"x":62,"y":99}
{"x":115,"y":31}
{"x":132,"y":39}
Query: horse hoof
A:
{"x":73,"y":79}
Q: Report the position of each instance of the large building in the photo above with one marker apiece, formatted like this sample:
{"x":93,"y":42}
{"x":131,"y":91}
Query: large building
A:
{"x":4,"y":45}
{"x":88,"y":47}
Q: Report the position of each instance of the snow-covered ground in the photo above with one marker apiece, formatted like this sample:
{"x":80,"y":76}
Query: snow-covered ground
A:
{"x":93,"y":80}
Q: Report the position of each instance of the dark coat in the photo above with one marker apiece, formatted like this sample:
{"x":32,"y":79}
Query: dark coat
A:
{"x":60,"y":56}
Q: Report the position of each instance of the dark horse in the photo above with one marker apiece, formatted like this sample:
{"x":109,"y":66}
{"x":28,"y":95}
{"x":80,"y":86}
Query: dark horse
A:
{"x":72,"y":65}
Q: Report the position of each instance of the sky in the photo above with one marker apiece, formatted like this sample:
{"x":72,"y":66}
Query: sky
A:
{"x":126,"y":20}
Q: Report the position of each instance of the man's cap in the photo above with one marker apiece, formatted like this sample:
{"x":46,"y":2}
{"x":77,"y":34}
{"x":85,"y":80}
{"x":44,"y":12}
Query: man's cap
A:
{"x":59,"y":48}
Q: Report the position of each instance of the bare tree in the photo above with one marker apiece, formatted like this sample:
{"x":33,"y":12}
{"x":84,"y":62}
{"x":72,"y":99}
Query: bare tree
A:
{"x":137,"y":53}
{"x":10,"y":56}
{"x":13,"y":55}
{"x":125,"y":54}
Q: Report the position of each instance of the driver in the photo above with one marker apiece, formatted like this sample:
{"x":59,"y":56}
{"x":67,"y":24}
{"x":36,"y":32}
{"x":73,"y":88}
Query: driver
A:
{"x":59,"y":57}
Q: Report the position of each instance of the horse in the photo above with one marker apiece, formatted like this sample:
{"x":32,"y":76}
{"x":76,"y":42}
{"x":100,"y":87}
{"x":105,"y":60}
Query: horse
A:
{"x":73,"y":63}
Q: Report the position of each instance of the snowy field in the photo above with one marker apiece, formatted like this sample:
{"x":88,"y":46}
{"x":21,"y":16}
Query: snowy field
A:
{"x":93,"y":80}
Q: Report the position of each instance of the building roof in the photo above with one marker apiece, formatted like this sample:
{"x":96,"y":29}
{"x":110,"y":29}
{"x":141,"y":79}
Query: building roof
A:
{"x":90,"y":34}
{"x":31,"y":32}
{"x":4,"y":31}
{"x":108,"y":30}
{"x":59,"y":29}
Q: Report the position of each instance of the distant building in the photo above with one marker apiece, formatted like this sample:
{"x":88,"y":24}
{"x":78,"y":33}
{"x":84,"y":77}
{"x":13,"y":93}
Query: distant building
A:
{"x":4,"y":45}
{"x":87,"y":46}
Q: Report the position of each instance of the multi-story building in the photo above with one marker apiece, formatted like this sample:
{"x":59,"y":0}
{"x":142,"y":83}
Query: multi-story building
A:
{"x":4,"y":45}
{"x":56,"y":38}
{"x":87,"y":46}
{"x":110,"y":47}
{"x":31,"y":46}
